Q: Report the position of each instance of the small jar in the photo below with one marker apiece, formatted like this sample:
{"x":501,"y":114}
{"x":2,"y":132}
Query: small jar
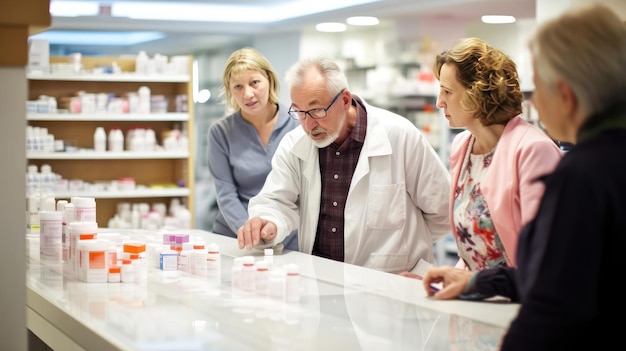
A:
{"x":261,"y":278}
{"x":100,"y":140}
{"x":292,"y":283}
{"x":276,"y":284}
{"x":85,"y":209}
{"x":127,"y":271}
{"x":115,"y":275}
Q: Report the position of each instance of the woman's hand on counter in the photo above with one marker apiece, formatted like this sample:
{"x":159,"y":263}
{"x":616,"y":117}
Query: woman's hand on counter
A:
{"x":453,"y":280}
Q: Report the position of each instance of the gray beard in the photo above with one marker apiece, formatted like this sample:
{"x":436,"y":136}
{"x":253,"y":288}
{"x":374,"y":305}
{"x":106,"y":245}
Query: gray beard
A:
{"x":320,"y":144}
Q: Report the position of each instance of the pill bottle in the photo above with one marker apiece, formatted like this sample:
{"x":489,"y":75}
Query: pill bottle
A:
{"x":292,"y":283}
{"x":214,"y":259}
{"x":214,"y":264}
{"x":136,"y":251}
{"x":116,"y":140}
{"x":114,"y":242}
{"x":261,"y":278}
{"x":144,"y":99}
{"x":268,"y":256}
{"x":78,"y":231}
{"x":92,"y":266}
{"x":197,"y":260}
{"x":85,"y":208}
{"x":276,"y":284}
{"x":235,"y":273}
{"x":183,"y":257}
{"x":51,"y":229}
{"x":127,"y":271}
{"x":69,"y":216}
{"x":99,"y":140}
{"x":115,"y":274}
{"x":247,"y":274}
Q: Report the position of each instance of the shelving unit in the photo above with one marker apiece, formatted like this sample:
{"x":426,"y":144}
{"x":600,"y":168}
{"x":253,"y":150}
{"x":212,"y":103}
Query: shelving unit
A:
{"x":412,"y":99}
{"x":160,"y":176}
{"x":421,"y":110}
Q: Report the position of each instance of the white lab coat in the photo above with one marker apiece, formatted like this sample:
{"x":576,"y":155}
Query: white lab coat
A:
{"x":397,"y":205}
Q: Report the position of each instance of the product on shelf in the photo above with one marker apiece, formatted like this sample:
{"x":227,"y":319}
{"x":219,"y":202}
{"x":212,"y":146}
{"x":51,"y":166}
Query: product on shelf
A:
{"x":65,"y":109}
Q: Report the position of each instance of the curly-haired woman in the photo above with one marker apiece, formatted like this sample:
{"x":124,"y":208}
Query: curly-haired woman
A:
{"x":496,"y":161}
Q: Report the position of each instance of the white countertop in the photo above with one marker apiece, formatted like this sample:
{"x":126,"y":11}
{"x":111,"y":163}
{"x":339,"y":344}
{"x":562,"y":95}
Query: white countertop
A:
{"x":342,"y":307}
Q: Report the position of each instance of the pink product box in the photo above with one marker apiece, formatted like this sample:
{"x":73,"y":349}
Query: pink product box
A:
{"x":181,"y":238}
{"x":169,"y":239}
{"x":175,"y":240}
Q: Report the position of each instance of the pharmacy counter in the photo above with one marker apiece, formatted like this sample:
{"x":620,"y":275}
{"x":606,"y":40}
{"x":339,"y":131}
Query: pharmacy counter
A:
{"x":341,"y":307}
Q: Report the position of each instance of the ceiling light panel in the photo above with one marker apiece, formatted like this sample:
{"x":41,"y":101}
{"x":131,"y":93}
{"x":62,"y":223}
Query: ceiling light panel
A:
{"x":251,"y":12}
{"x":497,"y":19}
{"x":74,"y":8}
{"x":362,"y":21}
{"x":60,"y":37}
{"x":331,"y":27}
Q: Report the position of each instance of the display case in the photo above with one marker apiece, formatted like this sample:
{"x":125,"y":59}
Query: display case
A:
{"x":155,"y":175}
{"x":340,"y":307}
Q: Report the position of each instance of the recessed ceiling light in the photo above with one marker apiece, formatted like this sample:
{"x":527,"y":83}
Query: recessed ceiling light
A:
{"x":362,"y":21}
{"x":497,"y":19}
{"x":61,"y":37}
{"x":74,"y":8}
{"x":330,"y":27}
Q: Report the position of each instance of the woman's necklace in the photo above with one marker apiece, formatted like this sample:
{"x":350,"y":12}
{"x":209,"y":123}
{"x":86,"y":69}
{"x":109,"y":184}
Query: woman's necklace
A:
{"x":466,"y":161}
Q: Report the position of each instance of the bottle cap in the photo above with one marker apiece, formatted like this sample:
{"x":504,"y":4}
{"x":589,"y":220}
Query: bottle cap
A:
{"x":261,"y":265}
{"x":213,"y":248}
{"x":114,"y":269}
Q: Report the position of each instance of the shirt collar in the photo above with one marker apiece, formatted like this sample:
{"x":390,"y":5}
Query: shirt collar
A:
{"x":358,"y":132}
{"x":613,"y":117}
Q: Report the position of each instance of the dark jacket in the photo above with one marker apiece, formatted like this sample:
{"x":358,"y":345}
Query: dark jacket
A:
{"x":570,"y":257}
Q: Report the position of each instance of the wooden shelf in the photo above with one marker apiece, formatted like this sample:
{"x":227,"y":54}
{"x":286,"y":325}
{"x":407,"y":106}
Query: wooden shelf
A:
{"x":104,"y":117}
{"x":92,"y":155}
{"x":139,"y":193}
{"x":123,"y":77}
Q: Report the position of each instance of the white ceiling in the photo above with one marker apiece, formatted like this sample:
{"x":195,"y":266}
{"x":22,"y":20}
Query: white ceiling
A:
{"x":207,"y":34}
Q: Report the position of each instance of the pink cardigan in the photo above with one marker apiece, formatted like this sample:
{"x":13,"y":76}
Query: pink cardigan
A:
{"x":523,"y":154}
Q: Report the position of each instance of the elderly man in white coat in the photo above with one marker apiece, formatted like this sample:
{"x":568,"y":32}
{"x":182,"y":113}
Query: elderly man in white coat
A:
{"x":361,"y":184}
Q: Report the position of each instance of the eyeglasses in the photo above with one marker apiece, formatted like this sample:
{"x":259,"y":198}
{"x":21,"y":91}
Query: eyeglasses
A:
{"x":316,"y":113}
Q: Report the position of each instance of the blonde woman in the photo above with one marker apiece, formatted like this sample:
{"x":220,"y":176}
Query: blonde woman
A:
{"x":241,"y":145}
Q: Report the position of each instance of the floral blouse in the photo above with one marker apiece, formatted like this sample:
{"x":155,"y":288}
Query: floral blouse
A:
{"x":477,"y":241}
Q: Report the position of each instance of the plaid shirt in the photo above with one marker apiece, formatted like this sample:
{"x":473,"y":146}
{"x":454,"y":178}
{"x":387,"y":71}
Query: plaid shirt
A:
{"x":337,"y":165}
